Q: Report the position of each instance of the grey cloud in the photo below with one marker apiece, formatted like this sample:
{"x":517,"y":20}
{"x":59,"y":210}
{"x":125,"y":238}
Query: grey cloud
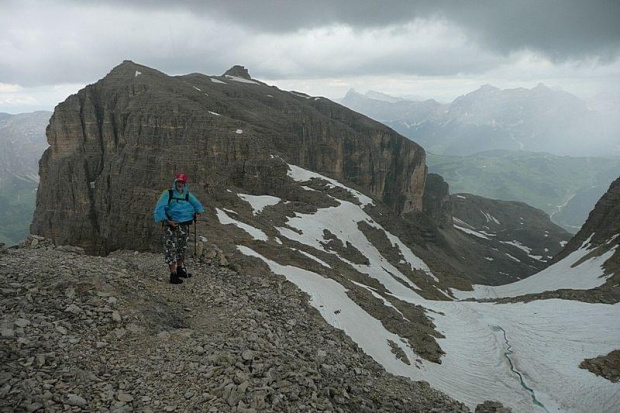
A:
{"x":209,"y":36}
{"x":561,"y":29}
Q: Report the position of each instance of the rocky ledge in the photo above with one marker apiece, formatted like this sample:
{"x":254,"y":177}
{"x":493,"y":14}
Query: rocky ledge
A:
{"x":110,"y":334}
{"x":605,"y":366}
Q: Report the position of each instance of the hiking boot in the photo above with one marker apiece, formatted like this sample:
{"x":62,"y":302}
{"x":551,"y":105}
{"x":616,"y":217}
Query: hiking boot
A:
{"x":183,"y":273}
{"x":174,"y":278}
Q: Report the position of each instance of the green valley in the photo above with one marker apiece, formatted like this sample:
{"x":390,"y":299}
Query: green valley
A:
{"x":567,"y":188}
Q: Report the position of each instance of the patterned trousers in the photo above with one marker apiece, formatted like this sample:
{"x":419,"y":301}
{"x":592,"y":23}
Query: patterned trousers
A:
{"x":175,"y":242}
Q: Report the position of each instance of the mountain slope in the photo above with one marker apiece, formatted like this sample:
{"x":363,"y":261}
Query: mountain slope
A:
{"x":374,"y":307}
{"x":567,"y":188}
{"x":515,"y":230}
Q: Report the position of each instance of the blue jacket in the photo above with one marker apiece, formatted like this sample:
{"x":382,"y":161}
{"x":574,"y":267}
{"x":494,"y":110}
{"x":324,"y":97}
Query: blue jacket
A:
{"x":178,"y":209}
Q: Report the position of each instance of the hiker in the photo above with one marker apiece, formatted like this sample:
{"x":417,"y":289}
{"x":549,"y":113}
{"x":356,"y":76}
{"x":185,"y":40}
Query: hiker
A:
{"x":176,"y":209}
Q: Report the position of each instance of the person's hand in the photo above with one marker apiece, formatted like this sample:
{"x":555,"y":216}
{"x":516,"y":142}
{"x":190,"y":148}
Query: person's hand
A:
{"x":173,"y":224}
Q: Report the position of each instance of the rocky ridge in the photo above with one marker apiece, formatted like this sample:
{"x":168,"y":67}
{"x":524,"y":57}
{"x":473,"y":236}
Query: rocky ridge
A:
{"x":85,"y":333}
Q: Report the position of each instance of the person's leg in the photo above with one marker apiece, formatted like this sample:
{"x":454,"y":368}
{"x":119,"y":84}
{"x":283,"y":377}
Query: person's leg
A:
{"x":170,"y":248}
{"x":182,"y":239}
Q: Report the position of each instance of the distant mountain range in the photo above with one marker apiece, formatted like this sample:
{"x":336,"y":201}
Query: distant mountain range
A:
{"x":539,"y":120}
{"x":22,"y":142}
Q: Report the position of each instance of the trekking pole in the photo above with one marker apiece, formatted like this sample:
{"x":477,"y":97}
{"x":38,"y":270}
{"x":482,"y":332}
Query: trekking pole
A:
{"x":195,"y":237}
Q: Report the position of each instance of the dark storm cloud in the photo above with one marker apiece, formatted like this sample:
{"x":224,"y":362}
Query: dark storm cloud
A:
{"x":46,"y":43}
{"x":561,"y":29}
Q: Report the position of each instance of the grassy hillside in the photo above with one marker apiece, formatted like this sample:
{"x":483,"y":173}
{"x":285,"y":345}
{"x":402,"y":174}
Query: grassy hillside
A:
{"x":567,"y":188}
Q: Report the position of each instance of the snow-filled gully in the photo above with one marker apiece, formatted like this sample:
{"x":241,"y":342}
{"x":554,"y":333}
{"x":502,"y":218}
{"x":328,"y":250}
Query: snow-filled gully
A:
{"x":507,"y":354}
{"x":525,"y":355}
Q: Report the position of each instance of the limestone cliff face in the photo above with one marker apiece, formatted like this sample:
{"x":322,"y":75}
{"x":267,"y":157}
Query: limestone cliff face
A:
{"x":116,"y":144}
{"x":437,"y":202}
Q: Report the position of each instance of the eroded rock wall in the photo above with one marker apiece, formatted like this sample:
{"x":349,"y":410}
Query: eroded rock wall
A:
{"x":116,"y":144}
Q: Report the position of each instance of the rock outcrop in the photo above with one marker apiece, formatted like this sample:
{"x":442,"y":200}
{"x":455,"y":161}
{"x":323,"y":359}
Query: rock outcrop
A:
{"x":116,"y":144}
{"x":238,"y":71}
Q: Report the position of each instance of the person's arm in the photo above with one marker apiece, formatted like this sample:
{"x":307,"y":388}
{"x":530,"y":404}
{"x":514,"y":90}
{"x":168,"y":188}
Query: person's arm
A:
{"x":160,"y":208}
{"x":198,"y":209}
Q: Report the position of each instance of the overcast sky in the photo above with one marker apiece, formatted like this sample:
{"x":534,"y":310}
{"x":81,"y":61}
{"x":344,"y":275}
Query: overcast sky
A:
{"x":432,"y":48}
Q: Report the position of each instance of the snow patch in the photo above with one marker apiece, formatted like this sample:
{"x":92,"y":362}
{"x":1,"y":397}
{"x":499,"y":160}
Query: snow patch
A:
{"x":380,"y":297}
{"x":217,"y":81}
{"x":489,"y":217}
{"x":300,"y":95}
{"x":137,"y":73}
{"x":259,"y":202}
{"x":255,"y":233}
{"x":342,"y":221}
{"x":471,"y":232}
{"x":517,"y":244}
{"x":213,"y":113}
{"x":241,"y":80}
{"x":197,"y":89}
{"x":312,"y":257}
{"x":302,"y":175}
{"x":461,"y":223}
{"x":239,"y":131}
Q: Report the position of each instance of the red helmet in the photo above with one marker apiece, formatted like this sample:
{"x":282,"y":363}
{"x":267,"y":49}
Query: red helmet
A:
{"x":181,"y":178}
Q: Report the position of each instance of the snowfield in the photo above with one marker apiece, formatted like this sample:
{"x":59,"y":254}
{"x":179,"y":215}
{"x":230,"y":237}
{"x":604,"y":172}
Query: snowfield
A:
{"x":525,"y":355}
{"x":561,"y":275}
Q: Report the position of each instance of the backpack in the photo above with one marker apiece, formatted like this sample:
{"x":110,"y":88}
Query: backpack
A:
{"x":171,"y":196}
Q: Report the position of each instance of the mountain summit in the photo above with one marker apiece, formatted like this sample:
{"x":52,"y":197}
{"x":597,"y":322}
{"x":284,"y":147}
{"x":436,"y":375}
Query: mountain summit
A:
{"x":238,"y":71}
